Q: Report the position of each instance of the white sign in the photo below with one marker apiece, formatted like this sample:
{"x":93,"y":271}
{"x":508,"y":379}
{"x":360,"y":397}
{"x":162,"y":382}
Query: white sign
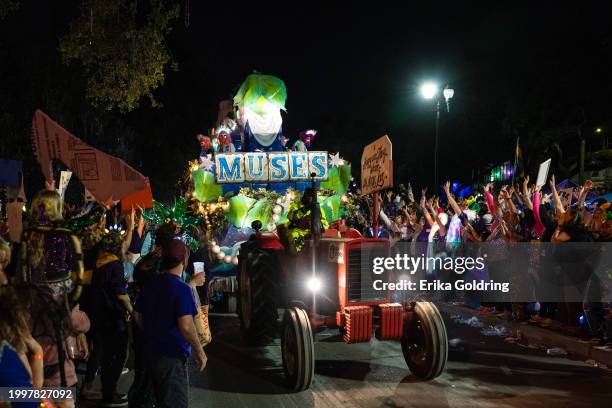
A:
{"x":264,"y":167}
{"x":543,"y":173}
{"x":63,"y":183}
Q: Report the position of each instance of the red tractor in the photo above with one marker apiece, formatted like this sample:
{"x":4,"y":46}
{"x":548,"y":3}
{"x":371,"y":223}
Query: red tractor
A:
{"x":329,"y":284}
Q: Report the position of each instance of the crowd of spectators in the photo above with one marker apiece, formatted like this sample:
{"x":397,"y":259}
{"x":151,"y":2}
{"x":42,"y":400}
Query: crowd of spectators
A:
{"x":75,"y":298}
{"x":138,"y":287}
{"x":504,"y":220}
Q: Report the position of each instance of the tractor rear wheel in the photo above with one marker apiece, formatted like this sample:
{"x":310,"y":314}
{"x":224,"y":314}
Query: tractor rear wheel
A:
{"x":298,"y":349}
{"x":257,"y":308}
{"x":425,"y":342}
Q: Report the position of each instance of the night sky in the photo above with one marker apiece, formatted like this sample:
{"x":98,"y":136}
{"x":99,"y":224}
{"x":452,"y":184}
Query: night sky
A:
{"x":353,"y":74}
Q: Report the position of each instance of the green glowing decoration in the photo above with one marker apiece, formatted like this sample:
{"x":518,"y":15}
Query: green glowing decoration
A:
{"x":331,"y":207}
{"x":261,"y":211}
{"x":238,"y":209}
{"x":475,"y":207}
{"x":188,"y":222}
{"x":81,"y":223}
{"x":251,"y":205}
{"x":258,"y":92}
{"x":338,"y":179}
{"x":205,"y":188}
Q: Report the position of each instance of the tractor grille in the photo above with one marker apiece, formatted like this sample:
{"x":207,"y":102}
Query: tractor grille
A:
{"x":359,"y":272}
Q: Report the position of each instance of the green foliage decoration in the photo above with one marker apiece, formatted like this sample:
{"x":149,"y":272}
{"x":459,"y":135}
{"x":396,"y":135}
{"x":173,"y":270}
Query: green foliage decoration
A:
{"x":180,"y":214}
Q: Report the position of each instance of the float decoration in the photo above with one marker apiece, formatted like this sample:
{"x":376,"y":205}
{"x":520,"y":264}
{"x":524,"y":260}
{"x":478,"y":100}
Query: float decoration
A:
{"x":331,"y":207}
{"x":258,"y":92}
{"x":205,"y":188}
{"x":258,"y":204}
{"x":338,"y":179}
{"x":179,"y":214}
{"x":238,"y":209}
{"x":229,"y":207}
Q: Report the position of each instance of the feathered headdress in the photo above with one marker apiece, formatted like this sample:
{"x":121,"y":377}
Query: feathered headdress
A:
{"x":308,"y":136}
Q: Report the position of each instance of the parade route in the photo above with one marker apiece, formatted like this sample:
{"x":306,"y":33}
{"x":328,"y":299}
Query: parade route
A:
{"x":481,"y":372}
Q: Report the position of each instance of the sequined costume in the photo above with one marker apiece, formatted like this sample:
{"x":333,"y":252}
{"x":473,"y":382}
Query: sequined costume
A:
{"x":51,"y":255}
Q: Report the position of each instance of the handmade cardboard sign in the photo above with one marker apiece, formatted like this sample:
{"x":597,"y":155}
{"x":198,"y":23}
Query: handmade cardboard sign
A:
{"x":141,"y":199}
{"x":377,"y":166}
{"x":107,"y":177}
{"x":543,"y":173}
{"x":270,"y":167}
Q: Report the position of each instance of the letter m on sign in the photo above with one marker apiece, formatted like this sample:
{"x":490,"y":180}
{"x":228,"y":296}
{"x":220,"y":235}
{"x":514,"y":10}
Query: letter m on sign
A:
{"x":229,"y":168}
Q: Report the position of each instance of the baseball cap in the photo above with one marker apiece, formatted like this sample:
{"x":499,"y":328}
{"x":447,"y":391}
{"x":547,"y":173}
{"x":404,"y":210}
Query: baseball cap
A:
{"x":173,"y":253}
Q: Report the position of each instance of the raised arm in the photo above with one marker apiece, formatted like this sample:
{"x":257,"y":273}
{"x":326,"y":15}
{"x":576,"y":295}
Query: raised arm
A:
{"x":539,"y":228}
{"x":519,"y":195}
{"x":129,"y":220}
{"x":391,"y":226}
{"x":584,"y":191}
{"x":559,"y":210}
{"x":428,"y":217}
{"x":451,"y":200}
{"x":436,"y":218}
{"x":507,"y":194}
{"x":490,"y":199}
{"x":528,"y":202}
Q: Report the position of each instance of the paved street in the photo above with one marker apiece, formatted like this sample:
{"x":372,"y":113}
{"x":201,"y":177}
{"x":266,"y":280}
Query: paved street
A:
{"x":481,"y":372}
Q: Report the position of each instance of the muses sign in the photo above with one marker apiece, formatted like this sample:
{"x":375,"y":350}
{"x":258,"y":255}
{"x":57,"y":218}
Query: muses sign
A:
{"x":377,"y":166}
{"x":264,"y":167}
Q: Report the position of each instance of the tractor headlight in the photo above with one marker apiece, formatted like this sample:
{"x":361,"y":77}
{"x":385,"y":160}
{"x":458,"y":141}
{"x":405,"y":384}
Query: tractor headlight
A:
{"x":314,"y":284}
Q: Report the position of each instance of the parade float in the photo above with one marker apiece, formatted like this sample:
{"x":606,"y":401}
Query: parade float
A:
{"x":246,"y":172}
{"x":275,"y":217}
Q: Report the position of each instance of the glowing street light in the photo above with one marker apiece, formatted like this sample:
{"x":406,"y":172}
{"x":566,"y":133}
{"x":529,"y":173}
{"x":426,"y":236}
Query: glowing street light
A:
{"x":598,"y":130}
{"x":429,"y":90}
{"x":448,"y":93}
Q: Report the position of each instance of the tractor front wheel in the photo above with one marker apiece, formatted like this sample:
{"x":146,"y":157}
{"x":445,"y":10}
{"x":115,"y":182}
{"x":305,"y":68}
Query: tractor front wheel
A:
{"x":425,"y":342}
{"x":257,"y":308}
{"x":298,"y":349}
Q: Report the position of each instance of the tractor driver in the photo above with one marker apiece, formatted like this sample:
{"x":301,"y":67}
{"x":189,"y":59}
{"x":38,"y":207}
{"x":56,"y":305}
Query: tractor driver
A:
{"x":300,"y":219}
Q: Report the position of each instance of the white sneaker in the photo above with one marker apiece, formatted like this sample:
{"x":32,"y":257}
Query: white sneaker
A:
{"x":89,"y":393}
{"x":125,"y":371}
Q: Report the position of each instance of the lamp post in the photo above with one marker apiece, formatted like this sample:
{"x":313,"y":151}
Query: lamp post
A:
{"x":429,"y":90}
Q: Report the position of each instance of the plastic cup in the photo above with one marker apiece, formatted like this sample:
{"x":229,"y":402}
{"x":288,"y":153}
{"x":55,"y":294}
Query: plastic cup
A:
{"x":198,"y":267}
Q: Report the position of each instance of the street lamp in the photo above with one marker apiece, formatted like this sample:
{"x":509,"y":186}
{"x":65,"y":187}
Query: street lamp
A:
{"x":429,"y":90}
{"x":448,"y":94}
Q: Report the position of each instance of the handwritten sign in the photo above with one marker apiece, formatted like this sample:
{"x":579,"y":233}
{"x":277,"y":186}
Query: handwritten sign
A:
{"x":263,"y":167}
{"x":377,"y":166}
